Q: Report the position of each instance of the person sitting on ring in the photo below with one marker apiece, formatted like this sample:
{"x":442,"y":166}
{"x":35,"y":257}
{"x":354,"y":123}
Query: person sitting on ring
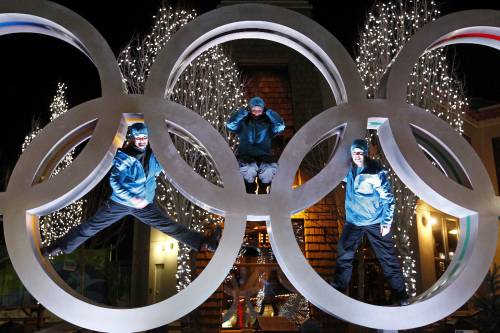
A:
{"x":256,"y":125}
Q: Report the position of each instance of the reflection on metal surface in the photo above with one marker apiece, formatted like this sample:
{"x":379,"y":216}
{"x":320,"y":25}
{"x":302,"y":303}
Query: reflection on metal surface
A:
{"x":473,"y":201}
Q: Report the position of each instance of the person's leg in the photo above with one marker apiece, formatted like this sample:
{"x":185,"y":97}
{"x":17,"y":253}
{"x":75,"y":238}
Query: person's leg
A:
{"x":262,"y":188}
{"x":249,"y":172}
{"x":266,"y":173}
{"x":154,"y":216}
{"x":109,"y":213}
{"x":346,"y":248}
{"x":387,"y":256}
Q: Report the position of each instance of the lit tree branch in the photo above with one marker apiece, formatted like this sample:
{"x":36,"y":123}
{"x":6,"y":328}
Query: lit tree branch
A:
{"x":432,"y":87}
{"x":210,"y":86}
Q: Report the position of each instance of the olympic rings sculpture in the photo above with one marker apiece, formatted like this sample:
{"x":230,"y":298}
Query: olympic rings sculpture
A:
{"x":464,"y":190}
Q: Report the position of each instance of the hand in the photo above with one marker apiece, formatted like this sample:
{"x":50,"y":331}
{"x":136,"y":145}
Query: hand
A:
{"x":385,"y":229}
{"x":139,"y":203}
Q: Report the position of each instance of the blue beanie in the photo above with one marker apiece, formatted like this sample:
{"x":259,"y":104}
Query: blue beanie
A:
{"x":137,"y":129}
{"x":360,"y":144}
{"x":256,"y":101}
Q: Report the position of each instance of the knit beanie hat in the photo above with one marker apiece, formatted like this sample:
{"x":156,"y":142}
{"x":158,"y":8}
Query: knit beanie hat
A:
{"x":136,"y":130}
{"x":360,"y":144}
{"x":256,"y":101}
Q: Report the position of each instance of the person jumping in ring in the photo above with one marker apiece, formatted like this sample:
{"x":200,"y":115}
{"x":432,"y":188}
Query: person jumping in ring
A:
{"x":133,"y":181}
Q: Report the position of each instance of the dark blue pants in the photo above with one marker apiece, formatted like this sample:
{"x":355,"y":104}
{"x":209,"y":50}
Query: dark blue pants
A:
{"x":111,"y":212}
{"x":383,"y":248}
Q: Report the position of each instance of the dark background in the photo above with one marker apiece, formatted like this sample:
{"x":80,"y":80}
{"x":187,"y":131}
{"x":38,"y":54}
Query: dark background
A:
{"x":32,"y":65}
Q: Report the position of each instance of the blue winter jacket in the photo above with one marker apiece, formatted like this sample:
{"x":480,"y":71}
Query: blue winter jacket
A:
{"x":255,"y":133}
{"x":128,"y":179}
{"x":368,"y":199}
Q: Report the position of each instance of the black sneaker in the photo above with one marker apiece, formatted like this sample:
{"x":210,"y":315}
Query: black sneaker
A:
{"x":211,"y":242}
{"x":51,"y":251}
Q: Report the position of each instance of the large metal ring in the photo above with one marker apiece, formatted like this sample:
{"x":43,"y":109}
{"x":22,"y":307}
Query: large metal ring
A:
{"x":464,"y":190}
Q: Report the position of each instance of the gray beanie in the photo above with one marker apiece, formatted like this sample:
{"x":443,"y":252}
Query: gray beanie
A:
{"x":360,"y":144}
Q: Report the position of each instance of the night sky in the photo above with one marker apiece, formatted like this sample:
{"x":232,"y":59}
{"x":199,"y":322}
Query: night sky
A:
{"x":32,"y":65}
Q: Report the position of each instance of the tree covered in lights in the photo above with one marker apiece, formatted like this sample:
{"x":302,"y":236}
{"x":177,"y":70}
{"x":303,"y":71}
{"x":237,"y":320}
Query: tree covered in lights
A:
{"x":210,"y":86}
{"x":295,"y":309}
{"x":432,"y":87}
{"x":58,"y":223}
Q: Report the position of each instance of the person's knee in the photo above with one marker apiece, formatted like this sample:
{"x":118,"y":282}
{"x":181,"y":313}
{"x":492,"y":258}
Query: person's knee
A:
{"x":267,"y":172}
{"x":344,"y":262}
{"x":89,"y":232}
{"x":90,"y":229}
{"x":392,"y":269}
{"x":159,"y":220}
{"x":266,"y":177}
{"x":345,"y":257}
{"x":249,"y":177}
{"x":248,"y":171}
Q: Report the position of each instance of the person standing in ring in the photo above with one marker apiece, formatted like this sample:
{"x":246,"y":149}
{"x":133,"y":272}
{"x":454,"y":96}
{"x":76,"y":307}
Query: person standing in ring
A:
{"x":369,"y":206}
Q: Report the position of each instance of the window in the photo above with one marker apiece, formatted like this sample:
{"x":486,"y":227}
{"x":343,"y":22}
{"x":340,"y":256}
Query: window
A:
{"x":445,"y":231}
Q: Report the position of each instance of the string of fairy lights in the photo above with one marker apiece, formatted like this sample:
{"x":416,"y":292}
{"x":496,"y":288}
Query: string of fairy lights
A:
{"x":432,"y":87}
{"x":210,"y":86}
{"x":58,"y":223}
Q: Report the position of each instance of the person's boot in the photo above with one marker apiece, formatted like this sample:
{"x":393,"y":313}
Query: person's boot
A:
{"x":262,"y":187}
{"x":251,"y":187}
{"x":211,"y":242}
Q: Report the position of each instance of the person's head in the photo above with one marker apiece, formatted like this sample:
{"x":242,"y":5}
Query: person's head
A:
{"x":138,"y":135}
{"x":256,"y":105}
{"x":359,"y":152}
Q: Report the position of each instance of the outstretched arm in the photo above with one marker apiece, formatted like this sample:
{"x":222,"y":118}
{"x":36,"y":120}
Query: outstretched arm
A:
{"x":234,"y":122}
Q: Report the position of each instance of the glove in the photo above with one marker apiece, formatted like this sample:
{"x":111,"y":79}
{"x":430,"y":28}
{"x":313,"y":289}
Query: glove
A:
{"x":385,"y":229}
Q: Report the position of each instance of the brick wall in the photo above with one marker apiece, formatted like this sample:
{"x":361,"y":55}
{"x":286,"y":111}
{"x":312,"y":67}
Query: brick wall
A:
{"x":321,"y":229}
{"x":209,"y":313}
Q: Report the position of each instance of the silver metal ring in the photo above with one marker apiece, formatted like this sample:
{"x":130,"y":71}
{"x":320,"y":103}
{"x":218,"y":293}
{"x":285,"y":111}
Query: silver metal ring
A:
{"x":31,"y":192}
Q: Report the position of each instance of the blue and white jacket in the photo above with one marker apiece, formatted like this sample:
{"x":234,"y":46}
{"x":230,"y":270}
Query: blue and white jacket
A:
{"x":368,"y":199}
{"x":255,"y":133}
{"x":128,"y":179}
